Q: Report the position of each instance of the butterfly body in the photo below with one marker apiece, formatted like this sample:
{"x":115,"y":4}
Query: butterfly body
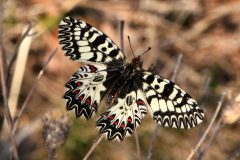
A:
{"x":130,"y":89}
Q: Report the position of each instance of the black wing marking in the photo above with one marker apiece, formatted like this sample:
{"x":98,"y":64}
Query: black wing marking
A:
{"x":170,"y":105}
{"x":82,"y":42}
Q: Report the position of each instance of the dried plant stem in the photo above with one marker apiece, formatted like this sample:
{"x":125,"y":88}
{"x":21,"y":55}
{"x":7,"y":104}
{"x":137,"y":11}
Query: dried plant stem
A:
{"x":155,"y":132}
{"x":17,"y":118}
{"x":17,"y":79}
{"x":177,"y":66}
{"x":137,"y":145}
{"x":154,"y":137}
{"x":12,"y":60}
{"x":214,"y":134}
{"x":205,"y":87}
{"x":95,"y":144}
{"x":14,"y":152}
{"x":208,"y":128}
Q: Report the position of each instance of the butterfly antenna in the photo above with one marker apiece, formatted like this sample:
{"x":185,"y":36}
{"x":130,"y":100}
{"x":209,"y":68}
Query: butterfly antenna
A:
{"x":121,"y":35}
{"x":149,"y":48}
{"x":130,"y":46}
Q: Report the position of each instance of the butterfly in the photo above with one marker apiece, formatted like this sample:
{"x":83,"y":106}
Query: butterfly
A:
{"x":130,"y":90}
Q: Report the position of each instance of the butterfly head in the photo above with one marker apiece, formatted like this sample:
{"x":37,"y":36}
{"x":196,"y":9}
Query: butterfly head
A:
{"x":137,"y":63}
{"x":136,"y":60}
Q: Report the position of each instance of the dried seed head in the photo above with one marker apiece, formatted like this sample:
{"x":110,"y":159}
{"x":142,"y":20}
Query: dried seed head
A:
{"x":55,"y":131}
{"x":232,"y":113}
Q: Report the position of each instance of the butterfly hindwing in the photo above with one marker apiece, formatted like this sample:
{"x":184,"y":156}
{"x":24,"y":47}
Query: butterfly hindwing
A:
{"x":85,"y":89}
{"x":169,"y":105}
{"x":82,"y":42}
{"x":122,"y":118}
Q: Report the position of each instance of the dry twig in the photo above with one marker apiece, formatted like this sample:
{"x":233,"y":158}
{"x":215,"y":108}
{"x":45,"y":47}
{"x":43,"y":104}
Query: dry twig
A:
{"x":137,"y":145}
{"x":17,"y":118}
{"x":14,"y":152}
{"x":95,"y":144}
{"x":16,"y":82}
{"x":208,"y":128}
{"x":213,"y":136}
{"x":13,"y":59}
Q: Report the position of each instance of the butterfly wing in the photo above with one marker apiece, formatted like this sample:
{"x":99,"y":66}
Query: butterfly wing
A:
{"x":85,"y":89}
{"x":82,"y":42}
{"x":169,"y":105}
{"x":122,"y":118}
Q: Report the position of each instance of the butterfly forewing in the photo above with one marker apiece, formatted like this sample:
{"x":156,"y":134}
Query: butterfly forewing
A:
{"x":169,"y":105}
{"x":82,"y":42}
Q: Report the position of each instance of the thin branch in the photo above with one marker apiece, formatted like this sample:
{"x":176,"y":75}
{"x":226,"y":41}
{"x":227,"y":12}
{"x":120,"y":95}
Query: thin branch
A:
{"x":155,"y":132}
{"x":153,"y":139}
{"x":18,"y":74}
{"x":21,"y":136}
{"x":2,"y":68}
{"x":208,"y":128}
{"x":94,"y":146}
{"x":205,"y":87}
{"x":17,"y":118}
{"x":177,"y":66}
{"x":25,"y":34}
{"x":213,"y":136}
{"x":14,"y":152}
{"x":203,"y":98}
{"x":138,"y":145}
{"x":12,"y":60}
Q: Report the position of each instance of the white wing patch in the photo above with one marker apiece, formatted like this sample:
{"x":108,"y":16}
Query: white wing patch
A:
{"x":82,"y":42}
{"x":169,"y":105}
{"x":122,"y":118}
{"x":85,"y":89}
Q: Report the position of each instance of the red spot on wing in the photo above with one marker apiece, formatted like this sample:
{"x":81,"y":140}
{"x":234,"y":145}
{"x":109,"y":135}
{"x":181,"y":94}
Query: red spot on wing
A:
{"x":76,"y":92}
{"x":123,"y":125}
{"x":88,"y":101}
{"x":95,"y":105}
{"x":129,"y":120}
{"x":115,"y":123}
{"x":79,"y":84}
{"x":140,"y":102}
{"x":111,"y":117}
{"x":81,"y":97}
{"x":92,"y":68}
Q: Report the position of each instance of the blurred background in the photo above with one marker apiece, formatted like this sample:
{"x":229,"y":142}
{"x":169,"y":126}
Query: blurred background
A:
{"x":205,"y":32}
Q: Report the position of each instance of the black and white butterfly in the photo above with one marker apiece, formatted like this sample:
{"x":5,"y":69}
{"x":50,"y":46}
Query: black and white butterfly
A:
{"x":130,"y":89}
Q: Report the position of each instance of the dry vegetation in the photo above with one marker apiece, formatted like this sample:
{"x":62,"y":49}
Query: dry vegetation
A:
{"x":206,"y":34}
